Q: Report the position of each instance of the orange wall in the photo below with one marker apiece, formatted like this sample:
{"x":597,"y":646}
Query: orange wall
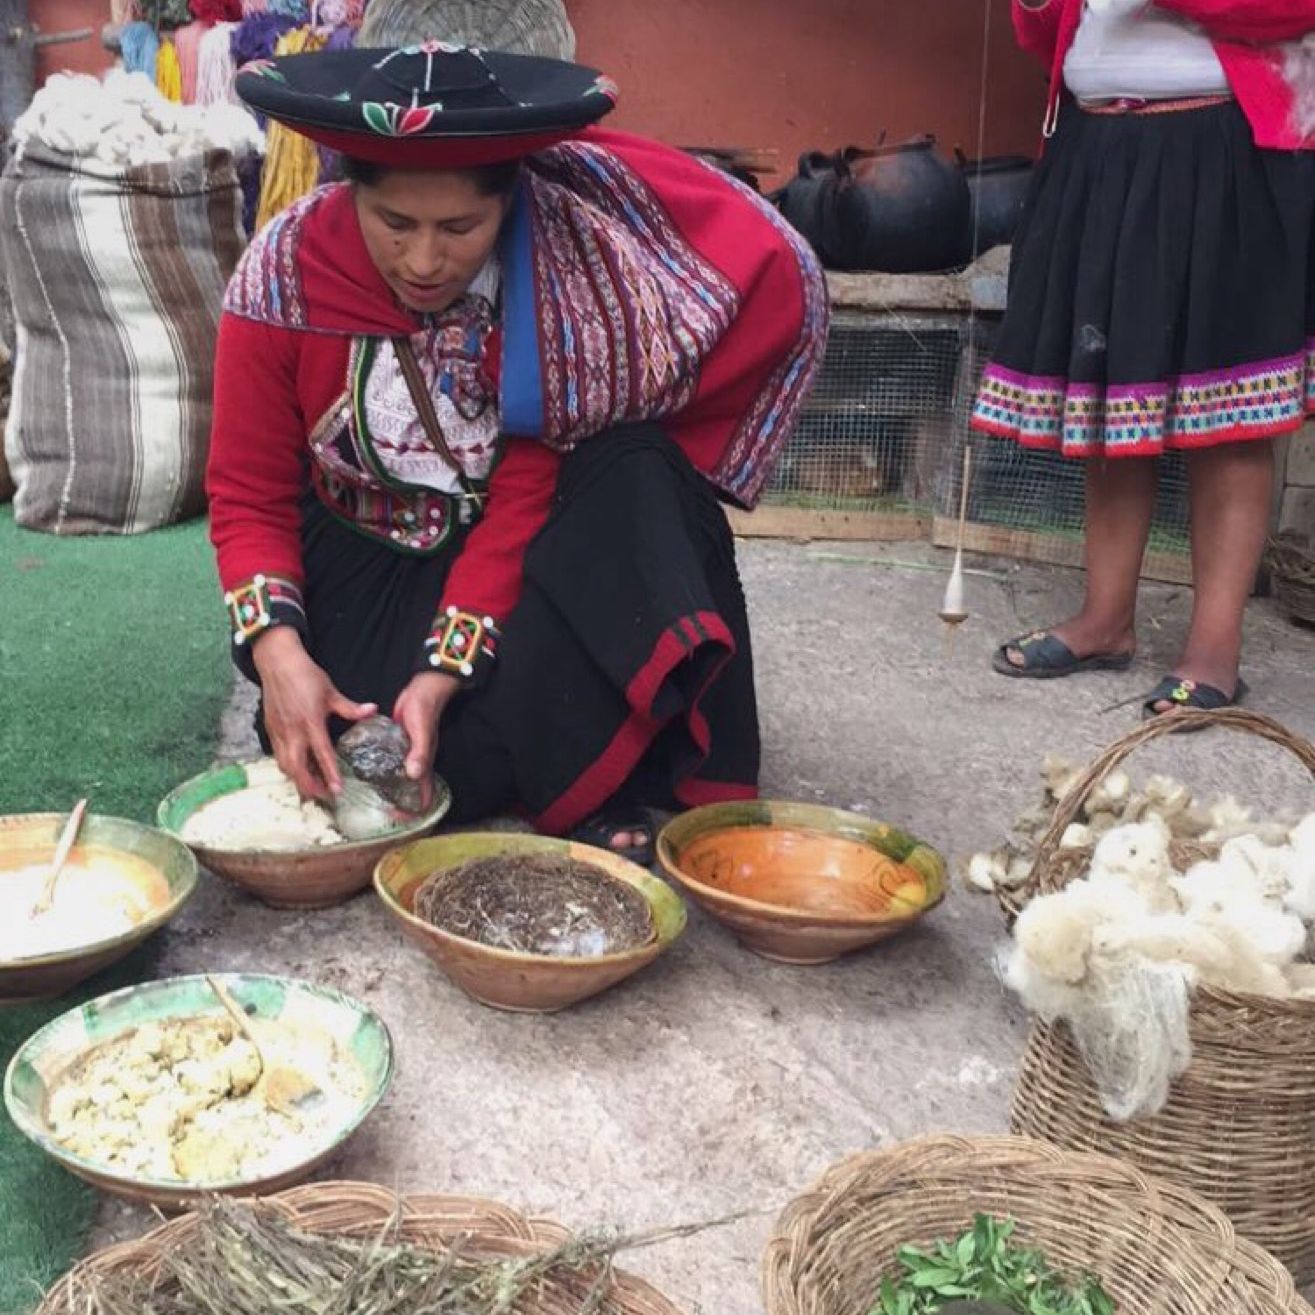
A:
{"x":789,"y":74}
{"x":804,"y":74}
{"x":88,"y":56}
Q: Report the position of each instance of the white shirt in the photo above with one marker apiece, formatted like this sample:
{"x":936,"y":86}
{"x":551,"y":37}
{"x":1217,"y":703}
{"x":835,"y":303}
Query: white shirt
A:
{"x":454,"y":375}
{"x":1129,"y":49}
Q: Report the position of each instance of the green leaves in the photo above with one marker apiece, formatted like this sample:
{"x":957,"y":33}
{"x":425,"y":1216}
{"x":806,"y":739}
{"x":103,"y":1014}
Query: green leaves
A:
{"x":982,"y":1265}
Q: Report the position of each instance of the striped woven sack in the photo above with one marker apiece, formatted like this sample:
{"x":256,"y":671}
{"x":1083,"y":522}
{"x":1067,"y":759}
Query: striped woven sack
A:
{"x":116,"y":278}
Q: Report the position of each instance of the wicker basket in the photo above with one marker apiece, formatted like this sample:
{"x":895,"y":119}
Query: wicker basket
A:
{"x":1291,"y":559}
{"x":1156,"y":1248}
{"x":483,"y":1228}
{"x":1239,"y":1125}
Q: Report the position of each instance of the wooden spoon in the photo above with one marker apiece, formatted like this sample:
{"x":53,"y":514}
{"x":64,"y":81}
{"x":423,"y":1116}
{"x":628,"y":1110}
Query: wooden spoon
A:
{"x":239,"y":1016}
{"x":283,"y":1088}
{"x":67,"y":839}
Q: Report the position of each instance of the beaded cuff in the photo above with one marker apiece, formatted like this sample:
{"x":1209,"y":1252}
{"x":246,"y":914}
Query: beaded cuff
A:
{"x":461,"y":644}
{"x":262,"y":602}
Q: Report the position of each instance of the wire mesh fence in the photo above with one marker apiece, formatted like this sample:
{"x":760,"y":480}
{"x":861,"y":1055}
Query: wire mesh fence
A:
{"x":885,"y":428}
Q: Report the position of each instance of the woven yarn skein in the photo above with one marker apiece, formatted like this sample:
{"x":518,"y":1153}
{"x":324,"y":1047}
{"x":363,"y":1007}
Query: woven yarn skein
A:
{"x":337,"y":13}
{"x":297,"y":10}
{"x":168,"y":75}
{"x":292,"y":162}
{"x":215,"y":68}
{"x":187,"y":42}
{"x":140,"y":45}
{"x":256,"y":36}
{"x":123,"y":12}
{"x":217,"y":11}
{"x":523,"y":27}
{"x":167,"y":13}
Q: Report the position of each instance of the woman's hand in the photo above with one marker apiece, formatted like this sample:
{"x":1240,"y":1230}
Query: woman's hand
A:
{"x":418,"y":710}
{"x":299,"y":698}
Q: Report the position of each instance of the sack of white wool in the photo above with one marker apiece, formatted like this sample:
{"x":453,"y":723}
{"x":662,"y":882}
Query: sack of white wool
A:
{"x":120,"y":224}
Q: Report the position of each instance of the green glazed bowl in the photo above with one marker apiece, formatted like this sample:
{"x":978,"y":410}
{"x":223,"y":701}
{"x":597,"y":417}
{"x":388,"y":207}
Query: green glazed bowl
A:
{"x":37,"y":1067}
{"x":801,"y":883}
{"x":504,"y":979}
{"x":314,"y":878}
{"x":46,"y":976}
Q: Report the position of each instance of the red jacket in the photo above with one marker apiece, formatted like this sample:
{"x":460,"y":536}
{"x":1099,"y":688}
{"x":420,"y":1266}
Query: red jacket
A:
{"x":272,"y":386}
{"x":1249,"y":37}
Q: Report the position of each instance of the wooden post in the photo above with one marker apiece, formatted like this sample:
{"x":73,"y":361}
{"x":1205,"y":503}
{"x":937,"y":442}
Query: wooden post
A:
{"x":19,"y":42}
{"x":17,"y":62}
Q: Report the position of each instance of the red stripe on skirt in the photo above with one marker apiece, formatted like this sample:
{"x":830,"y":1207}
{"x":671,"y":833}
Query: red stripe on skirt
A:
{"x":605,"y":776}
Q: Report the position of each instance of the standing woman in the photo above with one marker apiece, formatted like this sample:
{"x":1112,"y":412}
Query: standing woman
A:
{"x":475,"y":410}
{"x":1161,"y":299}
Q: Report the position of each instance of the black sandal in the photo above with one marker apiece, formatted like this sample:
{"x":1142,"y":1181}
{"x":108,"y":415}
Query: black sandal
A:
{"x":1185,"y":693}
{"x":1047,"y":657}
{"x":599,"y":829}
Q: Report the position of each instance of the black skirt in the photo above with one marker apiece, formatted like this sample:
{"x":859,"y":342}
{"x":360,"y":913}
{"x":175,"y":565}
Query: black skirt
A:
{"x":1162,"y":289}
{"x":624,"y":673}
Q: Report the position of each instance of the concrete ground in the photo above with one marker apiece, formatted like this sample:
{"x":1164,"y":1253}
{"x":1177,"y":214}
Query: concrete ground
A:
{"x":717,"y":1082}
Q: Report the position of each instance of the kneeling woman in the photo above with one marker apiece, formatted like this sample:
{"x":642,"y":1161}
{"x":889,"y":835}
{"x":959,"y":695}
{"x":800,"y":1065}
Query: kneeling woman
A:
{"x":474,"y":413}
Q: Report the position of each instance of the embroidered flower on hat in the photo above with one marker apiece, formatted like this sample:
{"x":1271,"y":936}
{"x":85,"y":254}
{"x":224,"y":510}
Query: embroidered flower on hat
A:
{"x":398,"y":120}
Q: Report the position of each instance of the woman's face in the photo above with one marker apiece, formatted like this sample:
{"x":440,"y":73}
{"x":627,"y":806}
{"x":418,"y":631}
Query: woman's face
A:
{"x":429,"y":233}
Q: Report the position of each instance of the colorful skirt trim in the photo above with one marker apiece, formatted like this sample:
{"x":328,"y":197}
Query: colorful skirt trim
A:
{"x":1143,"y":420}
{"x":1161,"y":289}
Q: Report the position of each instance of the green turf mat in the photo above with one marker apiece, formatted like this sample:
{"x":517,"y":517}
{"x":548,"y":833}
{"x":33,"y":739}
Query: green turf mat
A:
{"x":113,"y":673}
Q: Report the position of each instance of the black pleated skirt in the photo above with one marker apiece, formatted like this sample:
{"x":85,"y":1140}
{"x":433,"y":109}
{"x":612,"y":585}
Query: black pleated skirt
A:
{"x":1162,"y":289}
{"x":625,"y":672}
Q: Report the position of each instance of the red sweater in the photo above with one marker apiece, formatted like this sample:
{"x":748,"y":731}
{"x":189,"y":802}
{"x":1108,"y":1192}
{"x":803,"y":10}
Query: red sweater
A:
{"x":272,"y":386}
{"x":1247,"y":35}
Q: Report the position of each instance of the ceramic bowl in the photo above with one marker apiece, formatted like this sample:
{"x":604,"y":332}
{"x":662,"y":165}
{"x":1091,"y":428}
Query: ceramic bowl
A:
{"x":801,"y":883}
{"x":31,"y":838}
{"x":520,"y":983}
{"x":46,"y":1056}
{"x":314,"y":878}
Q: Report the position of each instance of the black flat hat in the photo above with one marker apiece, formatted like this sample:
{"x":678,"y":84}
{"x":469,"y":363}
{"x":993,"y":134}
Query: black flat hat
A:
{"x":428,"y":106}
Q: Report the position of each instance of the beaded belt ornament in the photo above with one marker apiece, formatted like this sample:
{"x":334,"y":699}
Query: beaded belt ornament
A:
{"x":460,"y":640}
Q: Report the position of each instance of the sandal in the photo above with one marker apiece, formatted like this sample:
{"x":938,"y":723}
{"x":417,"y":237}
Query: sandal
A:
{"x":1190,"y":694}
{"x":1047,"y":657}
{"x":599,"y":829}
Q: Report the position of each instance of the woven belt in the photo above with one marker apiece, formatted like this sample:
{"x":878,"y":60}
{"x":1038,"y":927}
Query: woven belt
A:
{"x":1129,"y":106}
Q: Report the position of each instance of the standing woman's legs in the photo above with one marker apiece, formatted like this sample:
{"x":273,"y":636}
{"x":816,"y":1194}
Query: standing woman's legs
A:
{"x":1231,"y":497}
{"x":1120,"y":504}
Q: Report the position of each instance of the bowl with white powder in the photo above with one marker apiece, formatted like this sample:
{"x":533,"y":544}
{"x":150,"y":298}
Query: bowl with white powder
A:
{"x":123,"y":881}
{"x":247,"y":823}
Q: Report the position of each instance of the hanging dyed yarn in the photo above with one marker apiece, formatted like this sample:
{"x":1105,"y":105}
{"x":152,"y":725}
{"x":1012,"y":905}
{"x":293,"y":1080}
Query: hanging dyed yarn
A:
{"x":217,"y":11}
{"x":167,"y":13}
{"x":124,"y":11}
{"x":254,"y":6}
{"x":256,"y":36}
{"x":215,"y":67}
{"x":297,"y":10}
{"x":168,"y":76}
{"x":187,"y":42}
{"x":140,"y":45}
{"x":292,"y":163}
{"x":337,"y":14}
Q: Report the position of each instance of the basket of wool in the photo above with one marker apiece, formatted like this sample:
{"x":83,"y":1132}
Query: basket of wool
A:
{"x":1173,"y":997}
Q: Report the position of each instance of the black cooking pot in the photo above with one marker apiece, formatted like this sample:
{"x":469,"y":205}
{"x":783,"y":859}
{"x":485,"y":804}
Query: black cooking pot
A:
{"x":807,"y":201}
{"x":900,"y":209}
{"x":998,"y":187}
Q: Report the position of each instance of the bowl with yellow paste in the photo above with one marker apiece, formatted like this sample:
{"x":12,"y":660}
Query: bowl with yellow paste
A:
{"x":122,"y":883}
{"x":154,"y":1093}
